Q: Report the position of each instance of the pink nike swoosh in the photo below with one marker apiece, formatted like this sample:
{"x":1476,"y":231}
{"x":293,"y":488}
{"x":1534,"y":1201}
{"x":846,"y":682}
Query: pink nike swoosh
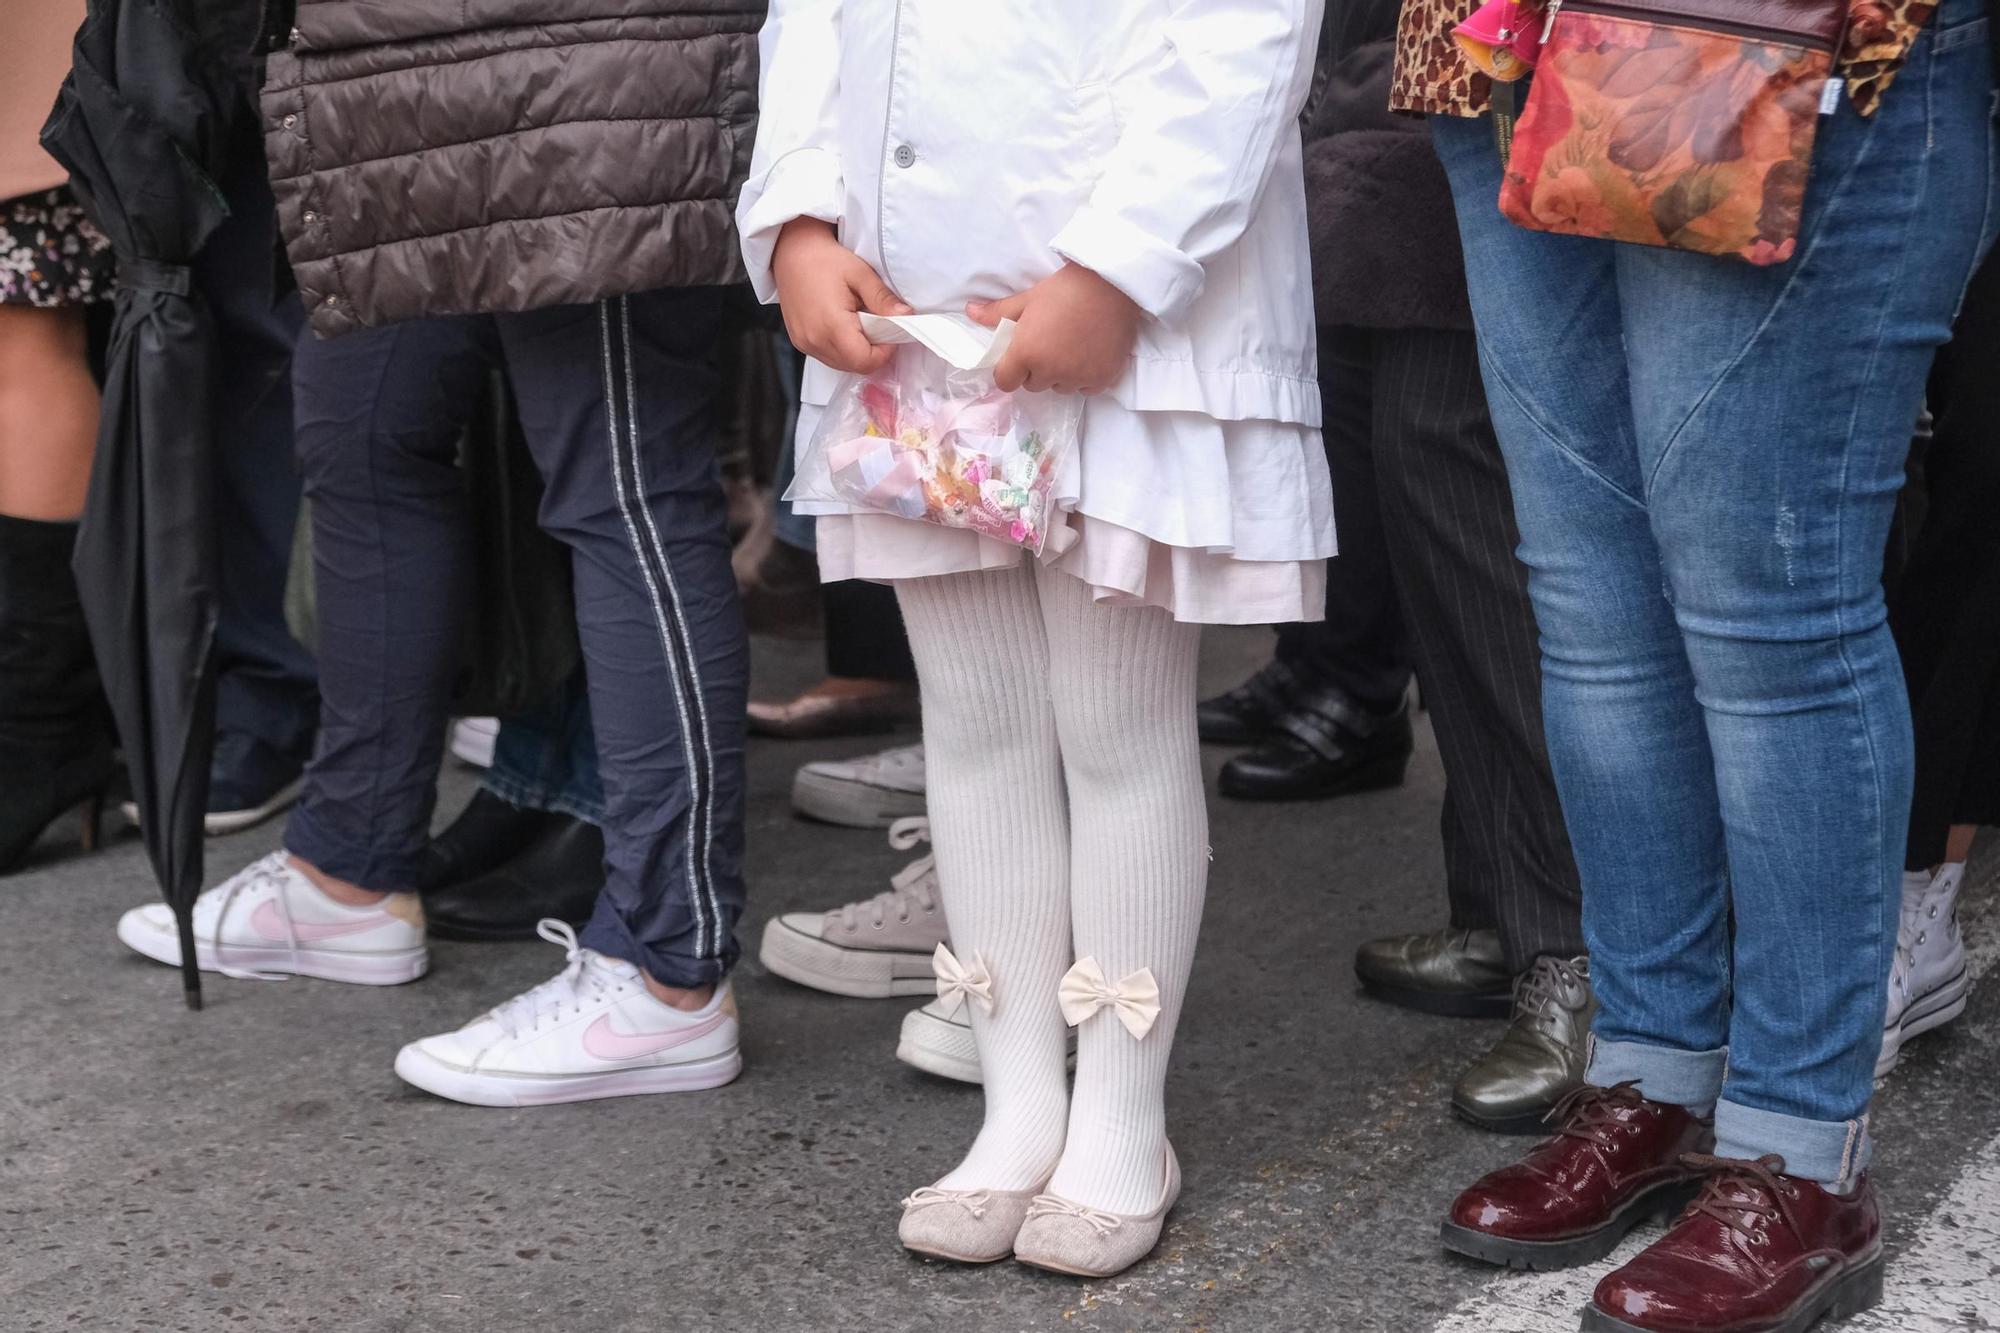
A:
{"x":605,"y":1042}
{"x":269,"y":922}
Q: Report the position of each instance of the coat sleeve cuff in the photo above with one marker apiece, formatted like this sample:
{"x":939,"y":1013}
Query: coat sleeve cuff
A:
{"x":804,"y":183}
{"x":1161,"y":280}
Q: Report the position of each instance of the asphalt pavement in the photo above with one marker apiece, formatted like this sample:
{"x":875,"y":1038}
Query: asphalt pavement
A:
{"x":258,"y":1165}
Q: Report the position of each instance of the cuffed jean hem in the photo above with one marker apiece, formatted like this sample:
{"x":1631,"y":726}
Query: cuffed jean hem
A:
{"x":1829,"y":1152}
{"x":532,"y":796}
{"x":1680,"y":1078}
{"x":364,"y":866}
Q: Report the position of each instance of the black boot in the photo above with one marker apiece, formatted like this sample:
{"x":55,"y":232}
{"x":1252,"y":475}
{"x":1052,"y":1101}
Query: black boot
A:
{"x":55,"y":734}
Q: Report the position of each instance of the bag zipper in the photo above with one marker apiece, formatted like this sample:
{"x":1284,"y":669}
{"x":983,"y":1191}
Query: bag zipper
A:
{"x":1611,"y":9}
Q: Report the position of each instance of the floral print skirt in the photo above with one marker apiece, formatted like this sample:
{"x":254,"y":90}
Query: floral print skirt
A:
{"x":50,"y":254}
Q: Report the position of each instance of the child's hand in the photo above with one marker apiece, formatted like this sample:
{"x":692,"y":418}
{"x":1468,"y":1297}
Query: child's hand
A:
{"x":822,"y":285}
{"x":1075,"y":336}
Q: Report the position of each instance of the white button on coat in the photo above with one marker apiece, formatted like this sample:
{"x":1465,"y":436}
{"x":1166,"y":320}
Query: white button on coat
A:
{"x":966,"y":150}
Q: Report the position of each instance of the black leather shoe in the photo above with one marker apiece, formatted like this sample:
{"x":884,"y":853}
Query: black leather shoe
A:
{"x":1328,"y":746}
{"x":487,"y":834}
{"x":1459,"y":973}
{"x":1250,"y":712}
{"x":558,"y":875}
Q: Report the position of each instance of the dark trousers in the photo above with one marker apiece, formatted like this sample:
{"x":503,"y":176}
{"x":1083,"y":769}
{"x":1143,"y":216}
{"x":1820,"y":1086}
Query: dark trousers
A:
{"x":865,"y":639}
{"x":266,"y":694}
{"x":615,"y":401}
{"x":1361,"y":647}
{"x":1945,"y":609}
{"x":1411,"y":401}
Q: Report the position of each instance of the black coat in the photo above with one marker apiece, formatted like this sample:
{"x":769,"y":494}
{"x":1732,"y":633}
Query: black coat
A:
{"x":1385,"y":245}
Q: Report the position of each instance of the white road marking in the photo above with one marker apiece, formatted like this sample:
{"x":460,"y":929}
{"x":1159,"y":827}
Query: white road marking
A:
{"x":1947,"y":1281}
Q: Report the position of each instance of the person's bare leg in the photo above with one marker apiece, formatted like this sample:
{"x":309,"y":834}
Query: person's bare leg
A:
{"x":1958,"y":842}
{"x":353,"y":895}
{"x":48,"y":413}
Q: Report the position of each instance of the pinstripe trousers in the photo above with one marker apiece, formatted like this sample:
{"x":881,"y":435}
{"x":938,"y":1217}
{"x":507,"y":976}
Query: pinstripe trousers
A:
{"x":1410,"y":402}
{"x":615,"y":403}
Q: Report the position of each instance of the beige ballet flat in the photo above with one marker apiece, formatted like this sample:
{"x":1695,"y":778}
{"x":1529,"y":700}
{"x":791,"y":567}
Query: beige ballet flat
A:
{"x":1066,"y":1237}
{"x":964,"y":1226}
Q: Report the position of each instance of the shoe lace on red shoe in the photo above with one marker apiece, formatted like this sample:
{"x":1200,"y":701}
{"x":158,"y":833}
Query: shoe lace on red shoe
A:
{"x":1596,"y":1115}
{"x":1742,"y":1194}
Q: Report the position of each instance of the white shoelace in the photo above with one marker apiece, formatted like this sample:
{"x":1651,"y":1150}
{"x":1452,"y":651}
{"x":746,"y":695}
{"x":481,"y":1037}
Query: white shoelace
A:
{"x":567,"y":991}
{"x":911,"y":889}
{"x":271,"y":871}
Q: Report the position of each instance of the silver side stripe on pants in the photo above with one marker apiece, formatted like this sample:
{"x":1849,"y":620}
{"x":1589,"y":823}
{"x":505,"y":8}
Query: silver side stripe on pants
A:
{"x":683,"y":668}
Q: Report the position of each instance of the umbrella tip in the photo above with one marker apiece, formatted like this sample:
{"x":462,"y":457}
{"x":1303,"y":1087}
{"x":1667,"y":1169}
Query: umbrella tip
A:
{"x":191,"y":992}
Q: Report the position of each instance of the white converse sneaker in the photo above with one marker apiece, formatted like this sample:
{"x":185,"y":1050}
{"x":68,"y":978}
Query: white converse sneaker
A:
{"x":1928,"y":981}
{"x":938,"y":1040}
{"x":268,"y":920}
{"x":873,"y":791}
{"x":592,"y":1031}
{"x":871,"y":949}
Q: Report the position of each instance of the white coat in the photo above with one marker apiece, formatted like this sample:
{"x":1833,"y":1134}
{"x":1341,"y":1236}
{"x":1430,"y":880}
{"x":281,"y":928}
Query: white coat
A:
{"x":966,"y":149}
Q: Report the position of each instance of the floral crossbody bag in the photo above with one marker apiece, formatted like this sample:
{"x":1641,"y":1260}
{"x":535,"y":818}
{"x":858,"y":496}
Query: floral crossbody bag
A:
{"x":1680,"y":123}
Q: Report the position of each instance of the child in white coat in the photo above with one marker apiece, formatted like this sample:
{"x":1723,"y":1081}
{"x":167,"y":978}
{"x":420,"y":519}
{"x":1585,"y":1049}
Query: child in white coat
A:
{"x":1123,"y":179}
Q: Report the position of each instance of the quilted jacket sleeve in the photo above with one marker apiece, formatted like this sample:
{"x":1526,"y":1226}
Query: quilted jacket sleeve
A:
{"x":1204,"y":124}
{"x":795,"y":171}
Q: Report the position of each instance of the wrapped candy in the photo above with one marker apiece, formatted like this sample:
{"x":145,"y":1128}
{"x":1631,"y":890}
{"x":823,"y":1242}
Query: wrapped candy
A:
{"x":930,"y":438}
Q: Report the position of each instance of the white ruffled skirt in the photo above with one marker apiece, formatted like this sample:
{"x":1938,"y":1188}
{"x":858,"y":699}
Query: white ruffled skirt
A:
{"x":1217,"y":522}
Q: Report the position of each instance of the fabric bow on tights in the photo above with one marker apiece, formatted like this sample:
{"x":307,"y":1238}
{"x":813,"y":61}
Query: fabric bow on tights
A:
{"x":1136,"y":999}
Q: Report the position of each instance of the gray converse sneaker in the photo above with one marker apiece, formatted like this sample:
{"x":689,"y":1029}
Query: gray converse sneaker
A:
{"x":871,"y":949}
{"x":873,"y":791}
{"x":1929,"y":980}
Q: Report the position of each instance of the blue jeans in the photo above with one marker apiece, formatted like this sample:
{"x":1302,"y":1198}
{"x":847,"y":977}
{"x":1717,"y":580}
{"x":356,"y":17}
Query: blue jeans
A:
{"x":546,"y":758}
{"x":1704,"y":457}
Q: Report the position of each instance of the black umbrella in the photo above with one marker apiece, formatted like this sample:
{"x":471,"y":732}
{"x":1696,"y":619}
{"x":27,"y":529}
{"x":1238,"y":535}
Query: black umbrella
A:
{"x":141,"y":124}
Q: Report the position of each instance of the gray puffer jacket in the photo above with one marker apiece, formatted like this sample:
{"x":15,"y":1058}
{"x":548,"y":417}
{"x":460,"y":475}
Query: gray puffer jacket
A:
{"x":435,"y":157}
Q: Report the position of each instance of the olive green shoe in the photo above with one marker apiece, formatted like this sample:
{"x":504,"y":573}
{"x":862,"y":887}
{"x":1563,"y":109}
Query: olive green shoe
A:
{"x":1540,"y":1057}
{"x":1459,"y":973}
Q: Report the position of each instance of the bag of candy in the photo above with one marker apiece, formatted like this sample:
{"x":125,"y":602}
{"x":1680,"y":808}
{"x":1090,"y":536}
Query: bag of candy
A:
{"x":929,"y":437}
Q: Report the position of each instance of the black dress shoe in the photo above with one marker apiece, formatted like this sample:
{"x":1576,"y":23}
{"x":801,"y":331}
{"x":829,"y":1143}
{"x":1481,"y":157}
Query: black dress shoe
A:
{"x":1250,"y":712}
{"x":558,"y":875}
{"x":487,"y":834}
{"x":1328,"y":746}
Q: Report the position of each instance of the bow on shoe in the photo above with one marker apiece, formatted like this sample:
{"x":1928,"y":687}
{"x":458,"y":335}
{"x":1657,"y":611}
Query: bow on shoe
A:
{"x":1136,"y":999}
{"x":957,"y":983}
{"x":973,"y":1201}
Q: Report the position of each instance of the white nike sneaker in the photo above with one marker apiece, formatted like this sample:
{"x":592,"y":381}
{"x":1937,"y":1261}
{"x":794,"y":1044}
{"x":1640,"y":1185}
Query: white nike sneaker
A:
{"x":268,"y":921}
{"x":873,"y":791}
{"x":592,"y":1031}
{"x":872,"y":949}
{"x":1929,"y":981}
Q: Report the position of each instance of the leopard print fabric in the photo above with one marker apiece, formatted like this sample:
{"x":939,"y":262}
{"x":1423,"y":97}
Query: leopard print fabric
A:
{"x":1432,"y":78}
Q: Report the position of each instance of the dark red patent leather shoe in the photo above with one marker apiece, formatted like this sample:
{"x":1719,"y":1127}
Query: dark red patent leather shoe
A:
{"x":1757,"y":1252}
{"x":1614,"y":1162}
